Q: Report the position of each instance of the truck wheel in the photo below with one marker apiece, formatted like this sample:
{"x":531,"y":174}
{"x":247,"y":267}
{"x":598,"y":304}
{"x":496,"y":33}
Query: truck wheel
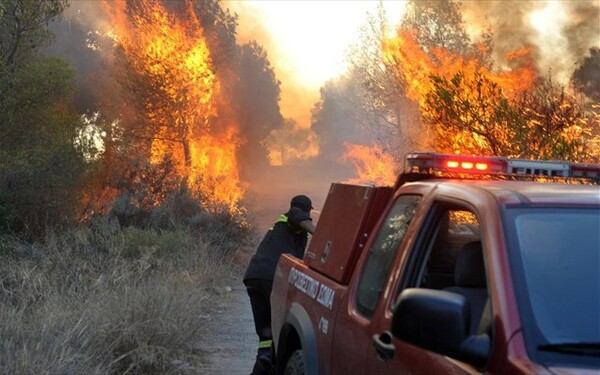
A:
{"x":295,"y":365}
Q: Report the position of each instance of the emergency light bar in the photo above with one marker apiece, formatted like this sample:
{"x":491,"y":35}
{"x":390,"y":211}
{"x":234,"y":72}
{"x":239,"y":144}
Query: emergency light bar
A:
{"x":428,"y":162}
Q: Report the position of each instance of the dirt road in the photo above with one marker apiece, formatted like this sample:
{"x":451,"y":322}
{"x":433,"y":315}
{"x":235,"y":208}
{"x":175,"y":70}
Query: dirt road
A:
{"x":229,"y":345}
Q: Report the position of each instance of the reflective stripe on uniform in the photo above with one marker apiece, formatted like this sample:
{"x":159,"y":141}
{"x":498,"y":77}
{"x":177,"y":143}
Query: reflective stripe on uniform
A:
{"x":265,"y":344}
{"x":281,"y":219}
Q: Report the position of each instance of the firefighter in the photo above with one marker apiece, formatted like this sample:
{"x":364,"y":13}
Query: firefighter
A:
{"x":289,"y":234}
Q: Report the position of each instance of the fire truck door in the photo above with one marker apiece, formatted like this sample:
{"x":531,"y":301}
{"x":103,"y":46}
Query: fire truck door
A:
{"x":447,"y":231}
{"x":355,"y":326}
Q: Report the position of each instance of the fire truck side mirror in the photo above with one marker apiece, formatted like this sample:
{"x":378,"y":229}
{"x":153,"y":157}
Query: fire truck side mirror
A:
{"x":439,"y":321}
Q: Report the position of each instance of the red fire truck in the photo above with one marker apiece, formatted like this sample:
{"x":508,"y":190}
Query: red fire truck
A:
{"x":467,"y":265}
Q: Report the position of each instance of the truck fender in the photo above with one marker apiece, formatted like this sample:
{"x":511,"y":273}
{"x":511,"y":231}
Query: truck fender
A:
{"x":298,"y":318}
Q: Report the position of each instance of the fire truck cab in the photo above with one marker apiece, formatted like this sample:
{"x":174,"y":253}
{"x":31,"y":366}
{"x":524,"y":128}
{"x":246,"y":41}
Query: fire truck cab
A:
{"x":466,"y":265}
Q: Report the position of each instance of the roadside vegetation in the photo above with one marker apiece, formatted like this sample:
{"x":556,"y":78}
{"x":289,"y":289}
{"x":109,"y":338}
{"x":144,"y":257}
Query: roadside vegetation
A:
{"x":107,"y":299}
{"x":110,"y":256}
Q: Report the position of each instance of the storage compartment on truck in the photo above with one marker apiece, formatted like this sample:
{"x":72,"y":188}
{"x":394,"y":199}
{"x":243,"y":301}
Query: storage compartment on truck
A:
{"x":347,"y":218}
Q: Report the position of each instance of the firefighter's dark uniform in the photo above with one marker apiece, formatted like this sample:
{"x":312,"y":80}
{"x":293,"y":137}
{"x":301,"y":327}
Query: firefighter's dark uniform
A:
{"x":285,"y":236}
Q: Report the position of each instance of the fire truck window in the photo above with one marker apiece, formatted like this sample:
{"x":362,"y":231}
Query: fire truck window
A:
{"x":452,"y":259}
{"x":382,"y":252}
{"x":456,"y":227}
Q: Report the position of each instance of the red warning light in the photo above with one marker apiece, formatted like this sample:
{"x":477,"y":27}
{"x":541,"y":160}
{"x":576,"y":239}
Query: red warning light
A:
{"x":431,"y":161}
{"x":467,"y":165}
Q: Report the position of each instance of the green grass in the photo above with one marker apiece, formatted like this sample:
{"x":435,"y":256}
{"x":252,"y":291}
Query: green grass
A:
{"x":106,"y":300}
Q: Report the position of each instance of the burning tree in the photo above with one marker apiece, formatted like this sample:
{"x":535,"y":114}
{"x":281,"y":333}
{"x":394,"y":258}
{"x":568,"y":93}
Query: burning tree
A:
{"x":172,"y":101}
{"x":390,"y":71}
{"x":439,"y":24}
{"x":471,"y":114}
{"x":467,"y":104}
{"x":173,"y":111}
{"x":474,"y":109}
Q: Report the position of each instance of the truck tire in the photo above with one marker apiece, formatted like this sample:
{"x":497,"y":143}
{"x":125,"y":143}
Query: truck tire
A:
{"x":295,"y":365}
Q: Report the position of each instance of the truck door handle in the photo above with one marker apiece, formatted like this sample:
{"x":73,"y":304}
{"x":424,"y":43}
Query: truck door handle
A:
{"x":384,"y":346}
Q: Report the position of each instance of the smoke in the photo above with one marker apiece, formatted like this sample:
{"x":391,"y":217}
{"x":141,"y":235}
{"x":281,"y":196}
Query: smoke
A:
{"x":276,"y":112}
{"x":296,"y":97}
{"x":562,"y":32}
{"x":77,"y":43}
{"x":250,"y":84}
{"x":252,"y":29}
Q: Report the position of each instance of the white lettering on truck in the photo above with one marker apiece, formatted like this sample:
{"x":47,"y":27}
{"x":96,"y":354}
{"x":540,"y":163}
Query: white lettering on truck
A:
{"x":325,"y":297}
{"x":324,"y":325}
{"x":312,"y":288}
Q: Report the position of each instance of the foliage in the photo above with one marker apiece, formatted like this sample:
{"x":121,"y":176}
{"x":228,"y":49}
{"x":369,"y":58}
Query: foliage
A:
{"x":384,"y":106}
{"x":40,"y":94}
{"x":42,"y":171}
{"x":146,"y":184}
{"x":439,"y":24}
{"x":255,"y":98}
{"x":100,"y":300}
{"x":471,"y":114}
{"x":557,"y":125}
{"x":22,"y":31}
{"x":379,"y":105}
{"x":220,"y":227}
{"x":220,"y":26}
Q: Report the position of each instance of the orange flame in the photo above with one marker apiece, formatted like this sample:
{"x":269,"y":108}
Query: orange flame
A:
{"x":171,"y":52}
{"x":415,"y":66}
{"x":373,"y":165}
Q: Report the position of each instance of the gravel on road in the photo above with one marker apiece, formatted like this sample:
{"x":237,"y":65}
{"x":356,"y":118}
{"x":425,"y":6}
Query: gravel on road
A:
{"x":229,"y":344}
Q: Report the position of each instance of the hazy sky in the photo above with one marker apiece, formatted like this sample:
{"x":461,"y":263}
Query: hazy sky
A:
{"x":306,"y":41}
{"x":311,"y":36}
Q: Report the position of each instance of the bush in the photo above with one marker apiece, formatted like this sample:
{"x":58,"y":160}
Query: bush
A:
{"x":222,"y":229}
{"x":101,"y":300}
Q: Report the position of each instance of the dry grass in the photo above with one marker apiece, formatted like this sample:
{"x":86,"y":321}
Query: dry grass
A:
{"x":101,"y":300}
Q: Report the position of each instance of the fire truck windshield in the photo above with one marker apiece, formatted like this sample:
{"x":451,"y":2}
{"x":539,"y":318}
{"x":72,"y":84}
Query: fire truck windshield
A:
{"x":555,"y":260}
